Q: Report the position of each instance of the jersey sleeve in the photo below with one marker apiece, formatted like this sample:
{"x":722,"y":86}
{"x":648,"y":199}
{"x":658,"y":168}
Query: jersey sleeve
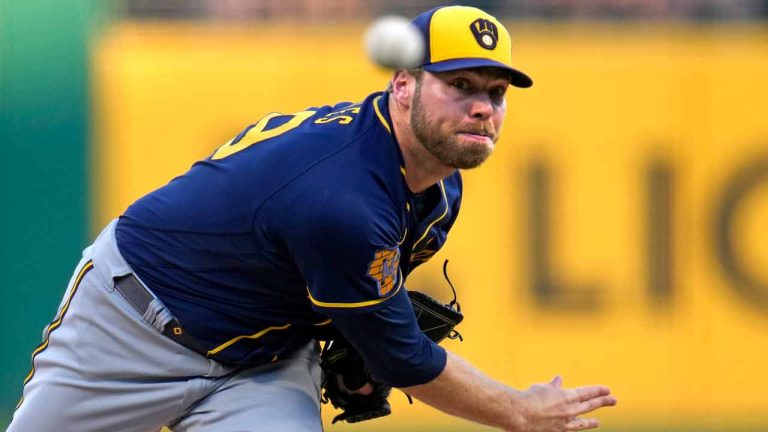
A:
{"x":347,"y":250}
{"x":394,"y":348}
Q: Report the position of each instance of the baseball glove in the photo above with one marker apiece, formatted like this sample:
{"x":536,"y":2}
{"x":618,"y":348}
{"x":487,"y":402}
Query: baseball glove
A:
{"x":345,"y":371}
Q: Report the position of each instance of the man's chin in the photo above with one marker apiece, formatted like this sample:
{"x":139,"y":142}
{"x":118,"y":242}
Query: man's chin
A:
{"x":471,"y":157}
{"x":468,"y":164}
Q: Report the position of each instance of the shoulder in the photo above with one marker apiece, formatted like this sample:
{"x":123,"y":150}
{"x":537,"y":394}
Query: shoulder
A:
{"x":302,"y":136}
{"x":345,"y":206}
{"x":342,"y":123}
{"x":352,"y":175}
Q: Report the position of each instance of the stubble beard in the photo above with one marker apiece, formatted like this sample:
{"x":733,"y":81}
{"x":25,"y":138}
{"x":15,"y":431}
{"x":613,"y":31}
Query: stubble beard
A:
{"x":445,"y":147}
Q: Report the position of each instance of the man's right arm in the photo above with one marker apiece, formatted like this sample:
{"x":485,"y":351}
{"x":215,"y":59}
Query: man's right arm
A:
{"x":398,"y":354}
{"x":337,"y":249}
{"x":464,"y":391}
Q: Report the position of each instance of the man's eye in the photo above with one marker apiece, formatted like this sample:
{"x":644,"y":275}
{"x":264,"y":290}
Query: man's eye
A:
{"x":461,"y":84}
{"x":498,"y":92}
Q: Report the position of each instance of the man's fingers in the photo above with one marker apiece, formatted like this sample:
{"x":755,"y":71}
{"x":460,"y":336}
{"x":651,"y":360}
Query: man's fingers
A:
{"x":581,"y":424}
{"x":365,"y":390}
{"x":557,"y":381}
{"x":595,"y":403}
{"x":591,"y":392}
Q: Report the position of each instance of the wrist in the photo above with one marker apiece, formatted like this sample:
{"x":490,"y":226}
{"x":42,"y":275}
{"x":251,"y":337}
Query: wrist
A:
{"x":518,"y":414}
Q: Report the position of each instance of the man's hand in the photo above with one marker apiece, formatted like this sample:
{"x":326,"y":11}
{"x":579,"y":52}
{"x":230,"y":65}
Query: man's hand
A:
{"x":551,"y":408}
{"x":365,"y":390}
{"x":464,"y":391}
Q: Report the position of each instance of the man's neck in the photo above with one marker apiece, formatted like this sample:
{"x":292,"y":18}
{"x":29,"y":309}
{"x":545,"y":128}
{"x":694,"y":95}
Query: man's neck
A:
{"x":422,"y":169}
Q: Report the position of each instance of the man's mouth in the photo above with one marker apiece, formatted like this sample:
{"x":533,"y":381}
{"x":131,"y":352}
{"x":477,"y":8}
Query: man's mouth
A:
{"x":477,"y":135}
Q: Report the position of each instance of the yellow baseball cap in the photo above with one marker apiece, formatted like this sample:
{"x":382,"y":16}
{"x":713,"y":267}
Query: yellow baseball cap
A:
{"x":461,"y":37}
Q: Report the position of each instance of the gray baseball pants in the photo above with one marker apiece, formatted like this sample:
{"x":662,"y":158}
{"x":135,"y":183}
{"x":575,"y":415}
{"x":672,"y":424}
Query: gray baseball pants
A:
{"x":104,"y":367}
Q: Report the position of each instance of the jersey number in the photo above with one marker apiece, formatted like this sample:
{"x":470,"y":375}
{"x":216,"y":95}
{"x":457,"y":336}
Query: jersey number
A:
{"x":257,"y":133}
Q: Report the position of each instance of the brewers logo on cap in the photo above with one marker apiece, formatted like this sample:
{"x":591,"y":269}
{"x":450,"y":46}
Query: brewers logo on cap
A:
{"x":449,"y":46}
{"x":486,"y":33}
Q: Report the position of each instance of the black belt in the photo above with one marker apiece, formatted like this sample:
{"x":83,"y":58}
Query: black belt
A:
{"x":138,"y":296}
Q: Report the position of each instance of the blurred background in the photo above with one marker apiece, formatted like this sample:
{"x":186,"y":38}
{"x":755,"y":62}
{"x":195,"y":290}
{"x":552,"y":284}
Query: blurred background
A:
{"x":617,"y":236}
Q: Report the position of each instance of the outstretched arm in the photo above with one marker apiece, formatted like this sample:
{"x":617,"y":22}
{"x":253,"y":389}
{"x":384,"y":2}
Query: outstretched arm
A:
{"x":464,"y":391}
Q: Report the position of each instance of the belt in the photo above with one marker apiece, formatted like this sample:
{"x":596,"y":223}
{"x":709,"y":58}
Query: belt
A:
{"x":139,"y":297}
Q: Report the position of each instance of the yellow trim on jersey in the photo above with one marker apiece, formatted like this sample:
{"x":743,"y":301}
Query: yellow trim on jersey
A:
{"x":358,"y":304}
{"x":55,"y":324}
{"x":230,"y":342}
{"x":424,"y":254}
{"x":328,"y":321}
{"x":402,"y":170}
{"x":381,"y":117}
{"x":405,"y":234}
{"x":445,"y":212}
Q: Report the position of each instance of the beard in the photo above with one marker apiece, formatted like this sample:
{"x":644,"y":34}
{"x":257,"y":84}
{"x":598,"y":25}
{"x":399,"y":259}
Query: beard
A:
{"x":446,"y":146}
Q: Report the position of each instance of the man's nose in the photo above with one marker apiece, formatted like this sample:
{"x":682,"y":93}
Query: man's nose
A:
{"x":482,"y":107}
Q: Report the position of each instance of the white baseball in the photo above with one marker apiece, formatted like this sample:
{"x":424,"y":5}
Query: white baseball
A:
{"x":392,"y":42}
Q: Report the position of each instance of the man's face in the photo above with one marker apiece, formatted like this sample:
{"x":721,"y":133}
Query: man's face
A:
{"x":457,"y":115}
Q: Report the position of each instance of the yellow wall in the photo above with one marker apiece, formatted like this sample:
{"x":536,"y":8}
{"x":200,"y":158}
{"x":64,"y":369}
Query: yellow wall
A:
{"x":609,"y":101}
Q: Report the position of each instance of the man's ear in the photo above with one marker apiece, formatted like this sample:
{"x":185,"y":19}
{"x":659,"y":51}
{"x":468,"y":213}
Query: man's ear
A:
{"x":403,"y":85}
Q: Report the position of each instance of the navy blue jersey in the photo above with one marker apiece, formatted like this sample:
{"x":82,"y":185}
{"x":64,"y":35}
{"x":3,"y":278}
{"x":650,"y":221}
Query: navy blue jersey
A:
{"x":300,"y":221}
